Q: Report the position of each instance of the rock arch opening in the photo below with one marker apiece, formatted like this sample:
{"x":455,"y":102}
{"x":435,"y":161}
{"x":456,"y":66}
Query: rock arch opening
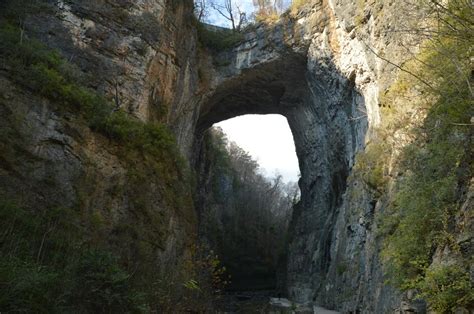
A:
{"x":249,"y":205}
{"x":246,"y":218}
{"x":320,"y":104}
{"x":268,"y":139}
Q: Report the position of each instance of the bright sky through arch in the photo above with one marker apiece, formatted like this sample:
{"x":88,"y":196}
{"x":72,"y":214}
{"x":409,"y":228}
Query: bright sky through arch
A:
{"x":268,"y":139}
{"x":216,"y":19}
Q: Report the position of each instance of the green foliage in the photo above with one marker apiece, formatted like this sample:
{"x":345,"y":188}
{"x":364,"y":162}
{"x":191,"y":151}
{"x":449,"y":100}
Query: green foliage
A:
{"x":27,"y":287}
{"x":192,"y":285}
{"x":153,"y":139}
{"x":371,"y":164}
{"x":218,"y":40}
{"x":101,"y":285}
{"x":447,"y":287}
{"x":46,"y":266}
{"x":437,"y":166}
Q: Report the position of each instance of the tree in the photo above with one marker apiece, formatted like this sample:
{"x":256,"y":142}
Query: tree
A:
{"x":231,"y":11}
{"x":249,"y":224}
{"x":269,"y":7}
{"x":201,"y":9}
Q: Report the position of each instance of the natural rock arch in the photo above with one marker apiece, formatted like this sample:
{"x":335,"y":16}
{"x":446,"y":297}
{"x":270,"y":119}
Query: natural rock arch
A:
{"x":276,"y":87}
{"x":319,"y":103}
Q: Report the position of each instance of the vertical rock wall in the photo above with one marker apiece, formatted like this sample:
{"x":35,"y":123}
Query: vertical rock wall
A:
{"x":334,"y":252}
{"x":142,"y":56}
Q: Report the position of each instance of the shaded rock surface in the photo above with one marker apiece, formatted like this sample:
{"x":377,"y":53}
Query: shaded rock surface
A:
{"x":50,"y":158}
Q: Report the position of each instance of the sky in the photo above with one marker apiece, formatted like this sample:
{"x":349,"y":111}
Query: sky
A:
{"x":268,"y":139}
{"x":215,"y":19}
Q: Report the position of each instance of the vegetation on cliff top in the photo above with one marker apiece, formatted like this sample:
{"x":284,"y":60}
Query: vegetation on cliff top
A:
{"x":218,"y":39}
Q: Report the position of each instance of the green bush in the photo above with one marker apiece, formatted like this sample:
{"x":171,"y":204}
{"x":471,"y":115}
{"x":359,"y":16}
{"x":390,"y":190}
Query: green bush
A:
{"x":47,"y":266}
{"x":447,"y":287}
{"x":371,"y":166}
{"x":218,"y":40}
{"x":28,"y":287}
{"x":100,"y":285}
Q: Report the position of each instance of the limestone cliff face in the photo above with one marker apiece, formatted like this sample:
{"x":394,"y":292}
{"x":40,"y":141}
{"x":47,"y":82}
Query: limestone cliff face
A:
{"x":332,"y":242}
{"x":140,"y":55}
{"x":334,"y":253}
{"x":317,"y":69}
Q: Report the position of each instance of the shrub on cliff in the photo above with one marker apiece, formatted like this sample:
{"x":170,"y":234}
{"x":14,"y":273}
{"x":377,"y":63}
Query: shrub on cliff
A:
{"x":217,"y":39}
{"x":44,"y":71}
{"x":47,"y":266}
{"x":436,"y":164}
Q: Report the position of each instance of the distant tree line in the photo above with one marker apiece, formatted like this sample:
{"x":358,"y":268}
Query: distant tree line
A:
{"x":248,"y":215}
